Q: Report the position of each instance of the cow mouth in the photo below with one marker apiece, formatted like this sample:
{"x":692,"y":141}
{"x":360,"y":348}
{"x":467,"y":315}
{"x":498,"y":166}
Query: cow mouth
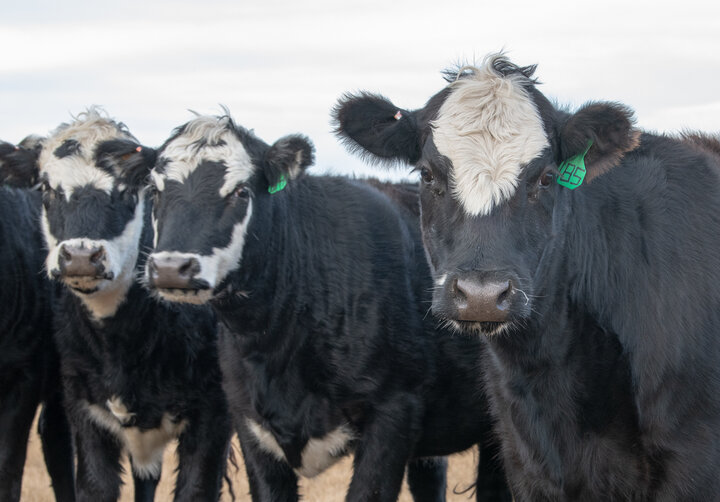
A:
{"x":487,"y":328}
{"x":196,"y":296}
{"x":85,"y":284}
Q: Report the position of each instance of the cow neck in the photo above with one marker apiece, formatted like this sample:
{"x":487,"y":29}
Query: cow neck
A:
{"x":280,"y":261}
{"x":20,"y":298}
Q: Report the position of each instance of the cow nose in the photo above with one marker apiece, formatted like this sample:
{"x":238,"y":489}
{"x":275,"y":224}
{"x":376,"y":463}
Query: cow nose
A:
{"x":482,"y":301}
{"x":173,"y":272}
{"x":80,"y":261}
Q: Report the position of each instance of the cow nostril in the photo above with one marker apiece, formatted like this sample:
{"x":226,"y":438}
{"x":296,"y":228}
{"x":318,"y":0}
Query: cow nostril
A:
{"x":97,"y":254}
{"x":504,"y":298}
{"x":64,"y":253}
{"x":457,"y":291}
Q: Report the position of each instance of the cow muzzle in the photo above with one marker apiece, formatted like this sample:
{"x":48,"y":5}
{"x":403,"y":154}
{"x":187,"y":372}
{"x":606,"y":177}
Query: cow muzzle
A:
{"x":486,"y":300}
{"x":173,"y":272}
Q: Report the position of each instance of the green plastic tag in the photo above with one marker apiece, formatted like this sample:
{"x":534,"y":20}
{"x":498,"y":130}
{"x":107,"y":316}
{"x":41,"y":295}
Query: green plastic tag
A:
{"x":572,"y":171}
{"x":279,"y":185}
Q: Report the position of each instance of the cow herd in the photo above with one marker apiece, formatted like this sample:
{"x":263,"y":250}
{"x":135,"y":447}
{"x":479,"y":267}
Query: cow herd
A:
{"x":549,"y":291}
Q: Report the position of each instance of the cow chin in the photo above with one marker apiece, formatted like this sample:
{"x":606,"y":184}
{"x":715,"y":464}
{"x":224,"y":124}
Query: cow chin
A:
{"x":193,"y":296}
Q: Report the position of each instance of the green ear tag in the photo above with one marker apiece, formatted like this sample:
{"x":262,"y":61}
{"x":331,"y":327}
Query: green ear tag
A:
{"x":572,"y":171}
{"x":279,"y":185}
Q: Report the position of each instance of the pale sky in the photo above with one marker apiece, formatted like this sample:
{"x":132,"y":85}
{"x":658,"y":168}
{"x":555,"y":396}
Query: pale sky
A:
{"x":280,"y":66}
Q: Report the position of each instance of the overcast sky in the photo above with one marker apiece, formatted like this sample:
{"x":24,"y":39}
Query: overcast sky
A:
{"x":280,"y":66}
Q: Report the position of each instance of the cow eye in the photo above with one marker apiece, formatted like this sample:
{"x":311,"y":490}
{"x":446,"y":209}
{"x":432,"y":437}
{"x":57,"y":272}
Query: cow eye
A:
{"x":426,"y":175}
{"x":546,"y":179}
{"x":241,"y":192}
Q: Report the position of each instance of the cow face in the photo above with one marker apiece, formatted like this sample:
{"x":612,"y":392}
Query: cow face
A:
{"x":209,"y":180}
{"x":92,"y":174}
{"x":488,"y":147}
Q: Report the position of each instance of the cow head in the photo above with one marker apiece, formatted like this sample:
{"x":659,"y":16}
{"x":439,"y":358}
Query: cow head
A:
{"x":18,"y":163}
{"x":488,"y":148}
{"x":92,"y":174}
{"x":210,"y":177}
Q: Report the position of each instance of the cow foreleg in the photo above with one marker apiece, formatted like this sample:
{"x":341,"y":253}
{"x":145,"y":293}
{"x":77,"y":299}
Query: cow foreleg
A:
{"x":270,"y":479}
{"x":98,"y":464}
{"x":17,"y":410}
{"x":202,"y":453}
{"x":383,"y":451}
{"x":56,"y":439}
{"x":427,"y":478}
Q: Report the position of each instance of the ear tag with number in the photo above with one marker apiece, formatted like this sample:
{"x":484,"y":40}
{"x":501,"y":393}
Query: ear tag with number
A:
{"x":282,"y":183}
{"x":572,"y":171}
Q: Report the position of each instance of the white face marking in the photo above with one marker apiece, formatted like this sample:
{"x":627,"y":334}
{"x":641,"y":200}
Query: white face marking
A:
{"x":78,"y":169}
{"x":490,"y":129}
{"x":184,"y":156}
{"x":120,"y":258}
{"x":213,"y":268}
{"x":440,"y":281}
{"x":144,"y":446}
{"x":318,"y":453}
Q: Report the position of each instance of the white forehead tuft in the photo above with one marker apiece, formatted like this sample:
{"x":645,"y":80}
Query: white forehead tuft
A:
{"x":88,"y":130}
{"x":489,"y":128}
{"x":206,"y":138}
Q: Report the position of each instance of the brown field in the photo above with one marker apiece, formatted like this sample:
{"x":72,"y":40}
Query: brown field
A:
{"x":328,"y":487}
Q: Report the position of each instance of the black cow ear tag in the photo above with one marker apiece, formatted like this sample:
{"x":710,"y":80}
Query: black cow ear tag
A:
{"x":572,"y":171}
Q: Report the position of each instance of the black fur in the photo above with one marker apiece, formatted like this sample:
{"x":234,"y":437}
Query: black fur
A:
{"x":29,"y":371}
{"x":324,"y":323}
{"x":605,"y":383}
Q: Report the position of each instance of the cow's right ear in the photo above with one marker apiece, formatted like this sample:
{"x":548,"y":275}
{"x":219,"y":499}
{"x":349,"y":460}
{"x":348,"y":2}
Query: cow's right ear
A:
{"x":127,"y":160}
{"x":373,"y":126}
{"x":19,"y":164}
{"x":286,"y":159}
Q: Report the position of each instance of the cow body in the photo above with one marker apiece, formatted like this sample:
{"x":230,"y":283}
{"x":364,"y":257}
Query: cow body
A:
{"x":136,"y":374}
{"x":28,"y":360}
{"x":599,"y":302}
{"x":325,"y":344}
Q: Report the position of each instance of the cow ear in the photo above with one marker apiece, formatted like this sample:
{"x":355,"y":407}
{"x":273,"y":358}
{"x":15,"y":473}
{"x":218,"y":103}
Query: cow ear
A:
{"x":373,"y":126}
{"x":127,"y":160}
{"x":287,"y":158}
{"x":607,"y":128}
{"x":19,"y":164}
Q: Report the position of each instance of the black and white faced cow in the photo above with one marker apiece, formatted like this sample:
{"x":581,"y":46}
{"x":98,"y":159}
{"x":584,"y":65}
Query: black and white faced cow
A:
{"x":136,"y":374}
{"x":596,"y":280}
{"x":28,"y":359}
{"x":322,"y":289}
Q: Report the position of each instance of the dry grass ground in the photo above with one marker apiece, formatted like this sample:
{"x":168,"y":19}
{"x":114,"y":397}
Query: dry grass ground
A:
{"x":328,"y":487}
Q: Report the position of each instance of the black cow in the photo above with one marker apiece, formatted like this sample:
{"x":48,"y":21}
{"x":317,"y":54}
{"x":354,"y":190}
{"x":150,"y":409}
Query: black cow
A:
{"x":136,"y":374}
{"x":587,"y":253}
{"x":28,"y":359}
{"x":322,"y":290}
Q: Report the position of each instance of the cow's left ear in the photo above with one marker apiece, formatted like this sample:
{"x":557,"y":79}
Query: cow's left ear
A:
{"x":287,"y":158}
{"x":609,"y":130}
{"x":19,"y":164}
{"x":128,"y":161}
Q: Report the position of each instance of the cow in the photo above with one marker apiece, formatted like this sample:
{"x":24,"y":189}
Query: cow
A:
{"x":28,"y":359}
{"x":321,"y":288}
{"x":136,"y":373}
{"x":585,"y":251}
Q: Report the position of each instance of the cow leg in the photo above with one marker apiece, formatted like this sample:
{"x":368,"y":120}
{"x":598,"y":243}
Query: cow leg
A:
{"x":98,"y":463}
{"x":17,"y":411}
{"x":491,"y":485}
{"x":383,"y":451}
{"x":144,"y":485}
{"x":56,"y":440}
{"x":202,"y":454}
{"x":427,"y":478}
{"x":270,"y":479}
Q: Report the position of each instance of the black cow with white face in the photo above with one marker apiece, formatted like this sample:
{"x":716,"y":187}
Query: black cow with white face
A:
{"x":322,"y":290}
{"x":586,"y":252}
{"x":136,"y":374}
{"x":29,"y":372}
